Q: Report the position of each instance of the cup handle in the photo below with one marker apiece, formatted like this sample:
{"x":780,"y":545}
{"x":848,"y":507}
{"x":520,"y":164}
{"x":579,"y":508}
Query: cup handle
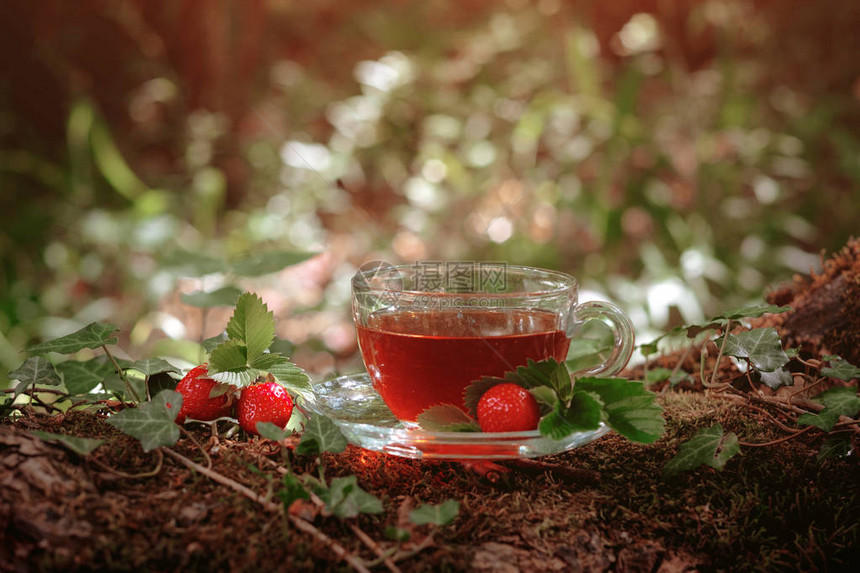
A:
{"x":622,"y":332}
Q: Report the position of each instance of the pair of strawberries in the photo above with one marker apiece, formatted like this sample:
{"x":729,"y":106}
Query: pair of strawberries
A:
{"x":261,"y":402}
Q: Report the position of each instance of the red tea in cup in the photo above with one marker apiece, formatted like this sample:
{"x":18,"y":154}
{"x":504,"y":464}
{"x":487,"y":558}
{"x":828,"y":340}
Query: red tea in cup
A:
{"x":427,"y":330}
{"x":417,"y":359}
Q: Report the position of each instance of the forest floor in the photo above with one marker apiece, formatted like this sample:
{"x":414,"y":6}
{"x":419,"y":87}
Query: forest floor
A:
{"x":211,"y":503}
{"x":604,"y":506}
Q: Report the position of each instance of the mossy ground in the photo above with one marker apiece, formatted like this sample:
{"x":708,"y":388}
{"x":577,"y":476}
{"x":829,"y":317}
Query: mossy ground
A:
{"x":604,"y":506}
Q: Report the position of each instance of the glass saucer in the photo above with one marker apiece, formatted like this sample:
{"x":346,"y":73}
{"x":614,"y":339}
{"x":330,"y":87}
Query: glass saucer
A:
{"x":353,"y":404}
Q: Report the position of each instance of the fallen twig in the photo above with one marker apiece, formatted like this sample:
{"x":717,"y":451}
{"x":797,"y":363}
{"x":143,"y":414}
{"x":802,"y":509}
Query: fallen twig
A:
{"x":301,"y":524}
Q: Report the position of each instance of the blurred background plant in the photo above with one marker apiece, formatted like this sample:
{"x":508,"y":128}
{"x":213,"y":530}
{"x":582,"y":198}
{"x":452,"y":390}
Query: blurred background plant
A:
{"x":677,"y":156}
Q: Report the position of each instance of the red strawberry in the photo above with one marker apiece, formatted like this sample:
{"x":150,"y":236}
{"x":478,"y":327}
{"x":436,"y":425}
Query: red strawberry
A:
{"x":264,"y":402}
{"x":196,"y":403}
{"x":507,"y":408}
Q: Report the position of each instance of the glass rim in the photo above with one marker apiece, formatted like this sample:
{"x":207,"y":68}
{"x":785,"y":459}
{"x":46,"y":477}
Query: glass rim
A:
{"x":566,"y":281}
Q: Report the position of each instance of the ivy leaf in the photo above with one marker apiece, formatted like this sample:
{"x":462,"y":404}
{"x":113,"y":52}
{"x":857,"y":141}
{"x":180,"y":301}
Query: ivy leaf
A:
{"x":346,"y":499}
{"x":584,"y":413}
{"x":293,"y":487}
{"x":840,"y":369}
{"x":94,"y":335}
{"x":150,"y":366}
{"x":321,"y":435}
{"x":81,"y":377}
{"x":81,"y":446}
{"x":446,"y":418}
{"x":709,"y":446}
{"x":442,"y":514}
{"x":225,"y":296}
{"x":268,"y":262}
{"x":34,"y":370}
{"x":630,"y":408}
{"x":838,"y":446}
{"x":153,"y":423}
{"x":761,"y":346}
{"x":774,"y":380}
{"x":186,"y":263}
{"x":272,"y":432}
{"x":113,"y":383}
{"x":837,"y":402}
{"x":252,"y":324}
{"x":753,"y":311}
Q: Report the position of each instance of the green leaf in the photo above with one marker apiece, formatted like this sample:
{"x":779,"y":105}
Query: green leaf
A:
{"x":658,"y":375}
{"x":268,"y":262}
{"x":272,"y":432}
{"x":150,"y":366}
{"x":708,"y":446}
{"x":397,"y":534}
{"x":584,"y":413}
{"x":81,"y":446}
{"x":81,"y":377}
{"x":761,"y":346}
{"x":630,"y":408}
{"x":94,"y":335}
{"x":781,"y":377}
{"x":228,"y":357}
{"x":837,"y":402}
{"x":34,"y":370}
{"x":346,"y":499}
{"x":542,"y":373}
{"x":186,"y":263}
{"x":545,"y":396}
{"x":252,"y":324}
{"x":113,"y":383}
{"x":593,"y":343}
{"x":442,"y":514}
{"x":293,"y":488}
{"x":289,"y":375}
{"x":153,"y":423}
{"x":753,"y":311}
{"x":224,"y":296}
{"x":212,"y":343}
{"x":840,"y":369}
{"x":838,"y":446}
{"x":446,"y":418}
{"x":321,"y":435}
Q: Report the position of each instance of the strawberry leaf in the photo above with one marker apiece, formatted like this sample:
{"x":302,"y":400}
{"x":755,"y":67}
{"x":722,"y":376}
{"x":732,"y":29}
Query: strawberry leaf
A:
{"x":474,"y":391}
{"x":761,"y":346}
{"x":321,"y":435}
{"x":212,"y":343}
{"x":228,"y":356}
{"x":584,"y":413}
{"x":94,"y":335}
{"x":709,"y":446}
{"x":289,"y":375}
{"x":153,"y":423}
{"x":442,"y":514}
{"x":446,"y":418}
{"x":81,"y":446}
{"x":225,"y":296}
{"x":252,"y":324}
{"x":630,"y":408}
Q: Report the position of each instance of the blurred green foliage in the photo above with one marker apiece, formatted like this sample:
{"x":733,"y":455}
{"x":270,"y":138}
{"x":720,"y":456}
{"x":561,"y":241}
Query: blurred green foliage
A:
{"x":676,"y":189}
